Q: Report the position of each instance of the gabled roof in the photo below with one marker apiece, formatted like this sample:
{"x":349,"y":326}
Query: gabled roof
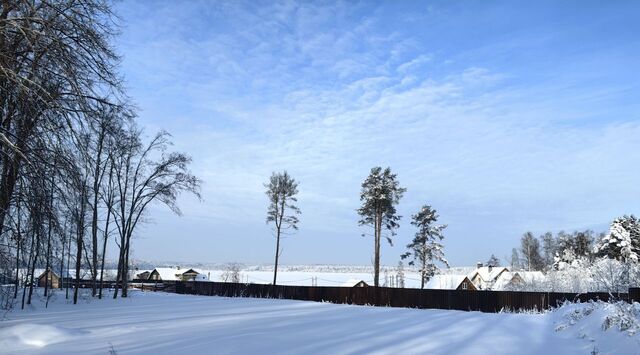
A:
{"x":353,"y":282}
{"x":488,"y":274}
{"x":166,"y":273}
{"x":531,"y":276}
{"x":445,"y":282}
{"x":508,"y":279}
{"x":171,"y":274}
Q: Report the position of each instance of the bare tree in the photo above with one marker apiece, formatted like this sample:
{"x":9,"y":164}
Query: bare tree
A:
{"x":282,"y":211}
{"x":145,"y":174}
{"x":231,"y":273}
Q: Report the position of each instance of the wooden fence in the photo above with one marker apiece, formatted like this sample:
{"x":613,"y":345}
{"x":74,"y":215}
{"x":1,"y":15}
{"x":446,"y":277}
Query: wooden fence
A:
{"x":484,"y":301}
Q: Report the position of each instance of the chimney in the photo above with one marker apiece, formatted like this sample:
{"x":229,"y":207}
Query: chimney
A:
{"x":479,"y":265}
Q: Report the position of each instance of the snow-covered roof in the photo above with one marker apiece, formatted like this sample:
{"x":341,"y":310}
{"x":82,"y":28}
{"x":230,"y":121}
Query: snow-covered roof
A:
{"x":531,"y":276}
{"x":487,"y":273}
{"x":171,"y":274}
{"x":445,"y":282}
{"x":352,"y":282}
{"x":503,"y":280}
{"x":167,"y":273}
{"x":528,"y":277}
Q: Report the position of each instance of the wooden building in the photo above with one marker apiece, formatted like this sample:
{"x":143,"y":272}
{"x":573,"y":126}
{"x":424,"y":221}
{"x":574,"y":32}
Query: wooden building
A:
{"x":355,"y":283}
{"x":171,"y":274}
{"x":51,"y":277}
{"x":450,"y":282}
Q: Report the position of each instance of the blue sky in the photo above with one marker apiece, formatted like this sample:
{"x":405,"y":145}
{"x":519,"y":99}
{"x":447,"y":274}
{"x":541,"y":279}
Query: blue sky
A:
{"x":504,"y":116}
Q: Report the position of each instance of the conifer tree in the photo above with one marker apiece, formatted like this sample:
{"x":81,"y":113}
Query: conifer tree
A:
{"x":425,"y":248}
{"x":380,"y":194}
{"x":282,"y":212}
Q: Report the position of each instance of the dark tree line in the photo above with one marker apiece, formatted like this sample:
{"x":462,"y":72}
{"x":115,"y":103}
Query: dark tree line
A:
{"x":75,"y":170}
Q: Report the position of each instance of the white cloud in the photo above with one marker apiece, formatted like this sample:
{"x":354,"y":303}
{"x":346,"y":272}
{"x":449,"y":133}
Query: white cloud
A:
{"x":300,"y":87}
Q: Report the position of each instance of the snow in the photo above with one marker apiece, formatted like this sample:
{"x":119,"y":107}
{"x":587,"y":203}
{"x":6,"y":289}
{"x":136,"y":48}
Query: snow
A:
{"x":168,"y":274}
{"x":445,"y":282}
{"x":488,"y":274}
{"x":351,"y":282}
{"x":162,"y":323}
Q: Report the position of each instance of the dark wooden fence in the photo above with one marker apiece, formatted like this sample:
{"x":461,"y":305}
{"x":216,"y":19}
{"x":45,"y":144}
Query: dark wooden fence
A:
{"x":484,"y":301}
{"x":71,"y":283}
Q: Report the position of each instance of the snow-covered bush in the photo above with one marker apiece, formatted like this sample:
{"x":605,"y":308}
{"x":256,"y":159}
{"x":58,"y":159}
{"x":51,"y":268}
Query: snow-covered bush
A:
{"x":590,"y":320}
{"x":610,"y":275}
{"x":623,"y":316}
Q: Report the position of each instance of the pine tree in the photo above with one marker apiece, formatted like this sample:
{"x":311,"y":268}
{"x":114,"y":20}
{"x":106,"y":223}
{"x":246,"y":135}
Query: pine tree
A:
{"x":493,"y":261}
{"x":425,"y":247}
{"x":282,"y":212}
{"x":380,"y":193}
{"x":583,"y":244}
{"x":623,"y":240}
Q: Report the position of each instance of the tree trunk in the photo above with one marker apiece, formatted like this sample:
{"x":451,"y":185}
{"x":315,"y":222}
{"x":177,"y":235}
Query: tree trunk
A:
{"x":94,"y":215}
{"x":64,"y":242}
{"x":275,"y":269}
{"x":15,"y":291}
{"x":120,"y":266}
{"x":104,"y":250}
{"x":67,"y":276}
{"x":125,"y":270}
{"x":79,"y":238}
{"x":376,"y":258}
{"x":33,"y":265}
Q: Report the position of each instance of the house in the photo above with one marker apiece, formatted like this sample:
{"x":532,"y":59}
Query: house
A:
{"x":49,"y":276}
{"x":484,"y":277}
{"x":355,"y":283}
{"x":450,"y":282}
{"x":519,"y":280}
{"x":171,"y":274}
{"x":143,"y":275}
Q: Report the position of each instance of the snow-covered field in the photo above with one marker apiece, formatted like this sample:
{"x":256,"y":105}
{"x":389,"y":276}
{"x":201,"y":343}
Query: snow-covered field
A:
{"x":161,"y":323}
{"x":320,"y":275}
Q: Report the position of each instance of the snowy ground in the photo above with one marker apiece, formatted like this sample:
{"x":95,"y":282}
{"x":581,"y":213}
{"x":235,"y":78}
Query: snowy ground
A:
{"x":168,"y":323}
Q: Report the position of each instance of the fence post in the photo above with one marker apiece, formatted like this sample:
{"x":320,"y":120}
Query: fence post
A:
{"x":634,"y":294}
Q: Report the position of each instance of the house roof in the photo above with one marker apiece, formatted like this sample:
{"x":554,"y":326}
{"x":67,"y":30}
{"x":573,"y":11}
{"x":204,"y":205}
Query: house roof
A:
{"x":445,"y":282}
{"x":352,"y":282}
{"x":488,"y":274}
{"x":531,"y":276}
{"x":171,"y":274}
{"x":527,"y":277}
{"x":503,"y":280}
{"x":166,"y":273}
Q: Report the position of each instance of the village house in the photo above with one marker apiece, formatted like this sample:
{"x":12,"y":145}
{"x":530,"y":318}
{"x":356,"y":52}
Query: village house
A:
{"x":450,"y":282}
{"x":355,"y":283}
{"x":484,"y":277}
{"x":519,"y":280}
{"x":177,"y":274}
{"x":143,"y":275}
{"x":54,"y":280}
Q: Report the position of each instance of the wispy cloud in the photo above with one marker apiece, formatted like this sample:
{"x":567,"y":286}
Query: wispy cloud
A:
{"x":327,"y":91}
